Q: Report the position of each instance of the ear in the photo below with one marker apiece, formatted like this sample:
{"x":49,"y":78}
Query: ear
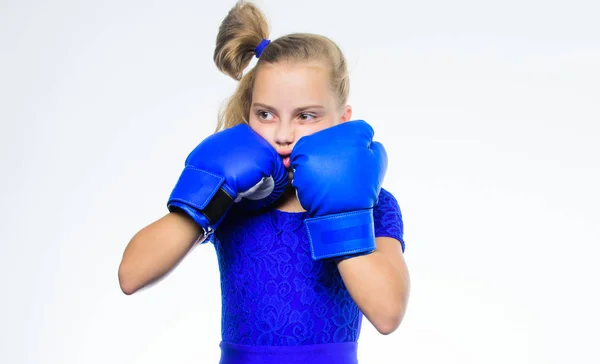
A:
{"x":347,"y":114}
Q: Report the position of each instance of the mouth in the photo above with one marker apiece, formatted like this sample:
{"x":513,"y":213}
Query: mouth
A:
{"x":286,"y":160}
{"x":285,"y":157}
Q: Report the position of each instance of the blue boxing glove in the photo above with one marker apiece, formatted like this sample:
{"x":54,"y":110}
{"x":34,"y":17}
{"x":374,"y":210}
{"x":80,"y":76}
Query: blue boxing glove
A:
{"x":338,"y":174}
{"x":226,"y":167}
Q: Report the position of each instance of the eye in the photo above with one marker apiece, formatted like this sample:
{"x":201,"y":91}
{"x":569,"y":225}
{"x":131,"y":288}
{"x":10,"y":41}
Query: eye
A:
{"x":264,"y":115}
{"x":306,"y":116}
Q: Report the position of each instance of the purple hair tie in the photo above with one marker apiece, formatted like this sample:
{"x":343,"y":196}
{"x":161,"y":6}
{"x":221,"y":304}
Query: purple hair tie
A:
{"x":261,"y":47}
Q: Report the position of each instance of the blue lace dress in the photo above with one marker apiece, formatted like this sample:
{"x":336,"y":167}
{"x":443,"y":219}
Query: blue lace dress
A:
{"x":279,"y":305}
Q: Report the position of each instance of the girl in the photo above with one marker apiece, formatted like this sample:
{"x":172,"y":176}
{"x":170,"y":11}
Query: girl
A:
{"x":288,"y":191}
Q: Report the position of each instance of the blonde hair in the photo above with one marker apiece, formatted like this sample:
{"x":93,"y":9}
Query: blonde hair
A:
{"x":244,"y":27}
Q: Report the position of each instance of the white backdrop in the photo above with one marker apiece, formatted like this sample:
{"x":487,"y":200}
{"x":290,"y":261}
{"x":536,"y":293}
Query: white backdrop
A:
{"x":489,"y":112}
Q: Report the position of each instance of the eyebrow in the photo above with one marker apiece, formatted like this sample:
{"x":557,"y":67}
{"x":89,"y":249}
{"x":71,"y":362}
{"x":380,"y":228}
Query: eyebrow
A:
{"x":298,"y":109}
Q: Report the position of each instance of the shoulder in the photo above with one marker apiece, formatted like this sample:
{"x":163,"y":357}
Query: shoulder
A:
{"x":388,"y":217}
{"x":386,"y":202}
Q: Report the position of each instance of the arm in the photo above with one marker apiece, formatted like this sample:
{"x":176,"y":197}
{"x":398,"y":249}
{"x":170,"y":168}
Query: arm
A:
{"x":379,"y":284}
{"x":155,"y":250}
{"x":214,"y":177}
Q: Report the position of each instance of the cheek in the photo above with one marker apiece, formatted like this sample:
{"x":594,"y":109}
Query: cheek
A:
{"x":263,"y":130}
{"x":309,"y":129}
{"x":303,"y":131}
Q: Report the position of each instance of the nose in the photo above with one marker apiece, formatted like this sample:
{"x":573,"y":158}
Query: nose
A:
{"x":284,"y":135}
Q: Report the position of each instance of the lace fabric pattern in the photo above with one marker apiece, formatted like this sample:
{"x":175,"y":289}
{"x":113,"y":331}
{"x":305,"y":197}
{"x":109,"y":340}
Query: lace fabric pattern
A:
{"x":273,"y":293}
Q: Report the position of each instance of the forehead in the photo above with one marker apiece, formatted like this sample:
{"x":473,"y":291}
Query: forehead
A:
{"x":285,"y":83}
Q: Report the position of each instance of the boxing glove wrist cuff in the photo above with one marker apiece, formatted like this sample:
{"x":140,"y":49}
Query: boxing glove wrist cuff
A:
{"x":341,"y":235}
{"x":195,"y":215}
{"x":203,"y":196}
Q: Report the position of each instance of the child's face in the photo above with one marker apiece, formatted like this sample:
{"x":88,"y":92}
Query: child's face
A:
{"x":290,"y":101}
